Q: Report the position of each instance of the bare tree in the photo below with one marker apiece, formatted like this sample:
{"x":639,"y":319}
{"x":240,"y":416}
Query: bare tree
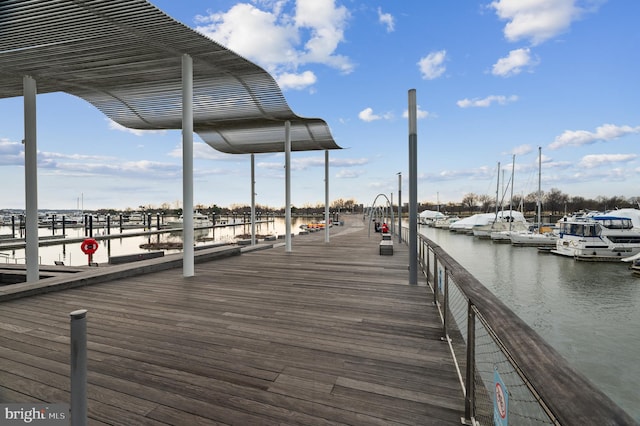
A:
{"x":470,"y":201}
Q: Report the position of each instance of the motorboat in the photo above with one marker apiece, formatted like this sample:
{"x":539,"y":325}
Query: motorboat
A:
{"x":597,"y":237}
{"x":429,"y":217}
{"x":504,"y":220}
{"x":445,"y":222}
{"x":200,"y":220}
{"x":533,"y":239}
{"x":466,"y":225}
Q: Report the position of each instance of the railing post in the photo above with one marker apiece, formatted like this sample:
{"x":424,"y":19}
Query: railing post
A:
{"x":435,"y":279}
{"x":427,"y":263}
{"x":445,"y":308}
{"x":469,"y":395}
{"x":78,"y":367}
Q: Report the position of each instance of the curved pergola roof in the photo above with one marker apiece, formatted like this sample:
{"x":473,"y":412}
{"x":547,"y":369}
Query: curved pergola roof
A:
{"x":124,"y":57}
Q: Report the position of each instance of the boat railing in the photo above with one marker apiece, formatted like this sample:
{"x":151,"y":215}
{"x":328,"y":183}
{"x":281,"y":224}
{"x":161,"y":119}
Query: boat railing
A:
{"x":494,"y":348}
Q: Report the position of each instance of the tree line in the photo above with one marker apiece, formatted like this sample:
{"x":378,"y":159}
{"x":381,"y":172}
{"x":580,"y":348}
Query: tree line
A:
{"x":554,"y":202}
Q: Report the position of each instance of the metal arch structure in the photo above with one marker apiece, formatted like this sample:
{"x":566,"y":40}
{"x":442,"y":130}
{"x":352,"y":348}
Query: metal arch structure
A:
{"x":373,"y":207}
{"x":125,"y":56}
{"x":144,"y":70}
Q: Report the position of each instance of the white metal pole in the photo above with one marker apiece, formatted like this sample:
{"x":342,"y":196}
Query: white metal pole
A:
{"x":31,"y":179}
{"x":287,"y":168}
{"x":253,"y":200}
{"x":188,"y":268}
{"x":326,"y":195}
{"x":413,"y":189}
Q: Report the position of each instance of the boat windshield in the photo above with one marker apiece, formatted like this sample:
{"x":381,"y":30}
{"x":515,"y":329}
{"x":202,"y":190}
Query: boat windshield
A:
{"x":580,"y":229}
{"x":616,"y":222}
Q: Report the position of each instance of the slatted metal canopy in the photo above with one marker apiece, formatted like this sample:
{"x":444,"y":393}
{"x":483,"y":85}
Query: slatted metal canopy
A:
{"x":124,"y":57}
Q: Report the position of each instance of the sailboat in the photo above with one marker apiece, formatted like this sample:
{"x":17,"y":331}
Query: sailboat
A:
{"x":537,"y":238}
{"x":501,"y":231}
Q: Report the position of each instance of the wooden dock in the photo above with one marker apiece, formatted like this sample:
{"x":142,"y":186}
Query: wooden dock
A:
{"x":328,"y":334}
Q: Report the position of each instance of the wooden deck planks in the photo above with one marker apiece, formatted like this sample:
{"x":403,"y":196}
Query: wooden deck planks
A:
{"x":328,"y":334}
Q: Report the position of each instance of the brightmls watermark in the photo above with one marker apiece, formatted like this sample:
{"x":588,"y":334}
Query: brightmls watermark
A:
{"x":34,"y":414}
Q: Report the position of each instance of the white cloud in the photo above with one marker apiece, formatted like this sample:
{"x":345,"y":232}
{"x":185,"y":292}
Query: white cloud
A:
{"x":521,"y":150}
{"x":486,"y":102}
{"x":368,"y":115}
{"x":513,"y":63}
{"x":536,"y":20}
{"x":431,"y":65}
{"x":604,"y":133}
{"x":282,"y":41}
{"x":349,"y":174}
{"x":296,"y":81}
{"x":387,"y":20}
{"x":591,"y":161}
{"x":11,"y":153}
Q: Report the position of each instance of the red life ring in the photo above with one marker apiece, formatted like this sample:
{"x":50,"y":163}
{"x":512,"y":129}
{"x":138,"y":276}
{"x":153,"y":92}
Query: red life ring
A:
{"x":89,"y":246}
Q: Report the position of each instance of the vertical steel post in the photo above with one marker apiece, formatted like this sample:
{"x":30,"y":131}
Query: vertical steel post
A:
{"x":399,"y":207}
{"x":188,"y":263}
{"x":445,"y":304}
{"x":31,"y":179}
{"x":435,"y":279}
{"x":428,"y":262}
{"x":78,"y":367}
{"x":287,"y":167}
{"x":253,"y":200}
{"x":413,"y":189}
{"x":469,"y":396}
{"x":326,"y":195}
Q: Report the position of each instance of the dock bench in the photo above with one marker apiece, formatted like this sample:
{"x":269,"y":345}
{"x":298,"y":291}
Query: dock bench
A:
{"x":386,"y":247}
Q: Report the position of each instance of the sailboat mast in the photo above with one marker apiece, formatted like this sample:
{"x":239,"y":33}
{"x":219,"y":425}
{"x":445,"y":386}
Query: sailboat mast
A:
{"x":497,"y":191}
{"x":513,"y":167}
{"x":539,"y":189}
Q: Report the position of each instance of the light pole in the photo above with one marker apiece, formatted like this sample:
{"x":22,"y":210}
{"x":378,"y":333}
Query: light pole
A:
{"x":399,"y":207}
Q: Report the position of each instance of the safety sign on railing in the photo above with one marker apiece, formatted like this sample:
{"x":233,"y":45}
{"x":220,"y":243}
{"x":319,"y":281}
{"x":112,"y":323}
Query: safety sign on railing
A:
{"x":500,"y":401}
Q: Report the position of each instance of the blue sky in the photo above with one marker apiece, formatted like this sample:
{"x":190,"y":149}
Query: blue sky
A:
{"x":493,"y":79}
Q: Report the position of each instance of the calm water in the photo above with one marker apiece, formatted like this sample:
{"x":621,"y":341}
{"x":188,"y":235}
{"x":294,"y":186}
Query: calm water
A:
{"x":590,"y":312}
{"x":71,"y":254}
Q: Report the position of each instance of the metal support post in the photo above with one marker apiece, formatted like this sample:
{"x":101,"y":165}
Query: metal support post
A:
{"x":399,"y":207}
{"x":326,"y":195}
{"x":435,"y":279}
{"x":31,"y":179}
{"x":469,"y":396}
{"x":253,"y":200}
{"x":287,"y":167}
{"x":78,"y":367}
{"x":413,"y":189}
{"x":188,"y":263}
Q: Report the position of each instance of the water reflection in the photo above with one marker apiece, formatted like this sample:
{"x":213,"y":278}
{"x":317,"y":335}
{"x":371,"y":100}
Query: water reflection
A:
{"x":70,"y":253}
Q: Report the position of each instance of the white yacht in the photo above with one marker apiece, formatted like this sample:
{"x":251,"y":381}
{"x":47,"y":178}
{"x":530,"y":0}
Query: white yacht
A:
{"x":597,"y":237}
{"x":199,"y":221}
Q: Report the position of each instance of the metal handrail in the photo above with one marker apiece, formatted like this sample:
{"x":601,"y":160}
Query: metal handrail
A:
{"x":486,"y":334}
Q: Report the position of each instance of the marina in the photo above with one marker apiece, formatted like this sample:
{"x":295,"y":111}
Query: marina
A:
{"x":588,"y":311}
{"x":56,"y":246}
{"x":329,"y":333}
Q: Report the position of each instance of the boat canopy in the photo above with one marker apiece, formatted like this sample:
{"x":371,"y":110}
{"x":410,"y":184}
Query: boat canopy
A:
{"x":431,"y":214}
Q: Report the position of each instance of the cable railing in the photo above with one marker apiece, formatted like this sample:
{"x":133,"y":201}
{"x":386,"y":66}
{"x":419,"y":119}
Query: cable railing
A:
{"x":508,"y":373}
